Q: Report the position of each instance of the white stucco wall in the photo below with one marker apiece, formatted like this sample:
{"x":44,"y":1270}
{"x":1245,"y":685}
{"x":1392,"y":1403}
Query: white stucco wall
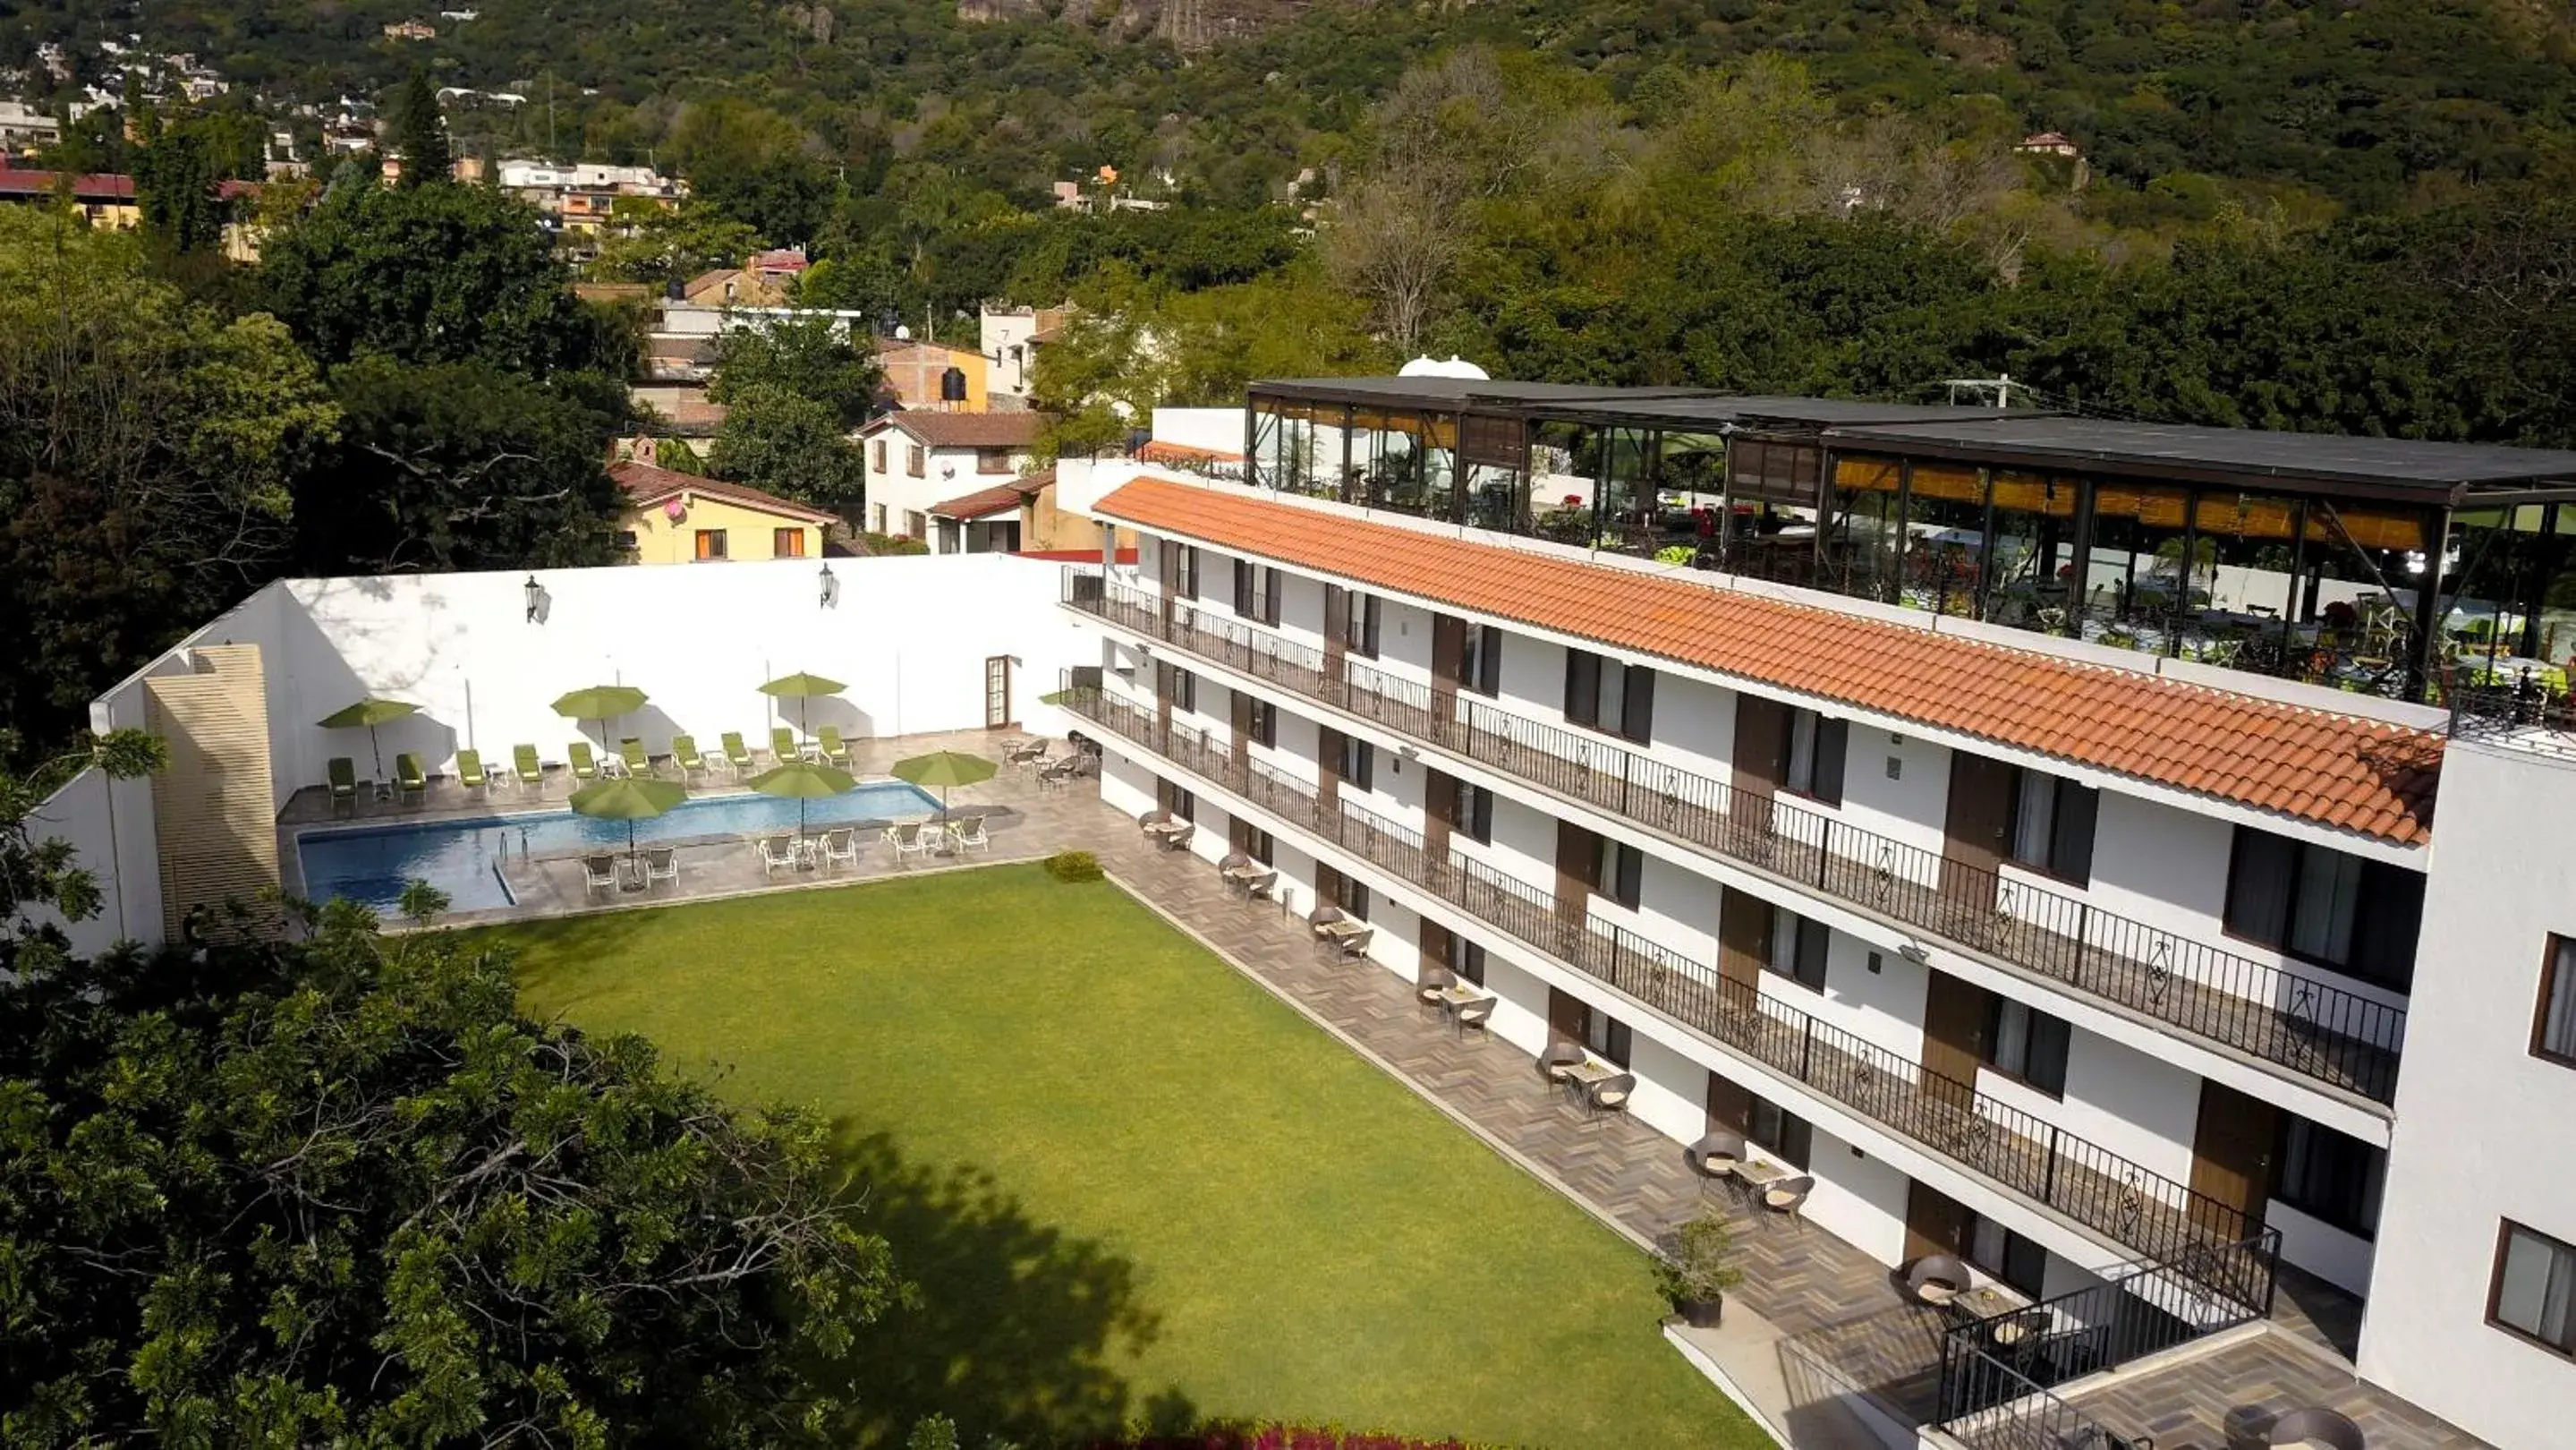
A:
{"x":2482,"y":1124}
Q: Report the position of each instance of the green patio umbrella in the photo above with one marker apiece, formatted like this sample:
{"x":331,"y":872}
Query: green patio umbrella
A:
{"x":801,"y":687}
{"x":371,"y":712}
{"x":600,"y":702}
{"x":802,"y":781}
{"x":944,"y":768}
{"x":628,"y":799}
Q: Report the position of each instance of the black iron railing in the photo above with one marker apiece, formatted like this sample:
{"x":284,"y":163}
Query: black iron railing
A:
{"x":2119,"y":1199}
{"x":2023,"y":1416}
{"x":2302,"y":1023}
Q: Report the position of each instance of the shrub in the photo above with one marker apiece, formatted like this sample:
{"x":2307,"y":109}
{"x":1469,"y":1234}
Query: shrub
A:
{"x":893,"y":544}
{"x":1074,"y":866}
{"x":1697,"y":1261}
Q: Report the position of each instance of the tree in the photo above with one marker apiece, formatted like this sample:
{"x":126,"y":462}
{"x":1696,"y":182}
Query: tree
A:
{"x":651,"y":243}
{"x":461,"y":466}
{"x":47,"y":874}
{"x":755,"y":166}
{"x":420,"y":132}
{"x":812,"y":358}
{"x":339,"y":1191}
{"x":789,"y":445}
{"x":175,"y":183}
{"x":433,"y":274}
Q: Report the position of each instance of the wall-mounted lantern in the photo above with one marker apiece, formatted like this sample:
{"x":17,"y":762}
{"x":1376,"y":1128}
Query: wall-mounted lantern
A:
{"x":831,"y":588}
{"x":536,"y":594}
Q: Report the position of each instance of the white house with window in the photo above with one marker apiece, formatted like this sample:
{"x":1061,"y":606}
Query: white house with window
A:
{"x":942,"y":478}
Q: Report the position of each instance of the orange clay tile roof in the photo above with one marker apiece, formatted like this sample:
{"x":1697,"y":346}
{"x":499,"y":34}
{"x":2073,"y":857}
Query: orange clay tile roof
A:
{"x":2334,"y":770}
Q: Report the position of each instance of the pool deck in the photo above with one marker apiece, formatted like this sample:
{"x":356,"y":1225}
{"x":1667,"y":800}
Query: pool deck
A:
{"x":1024,"y":819}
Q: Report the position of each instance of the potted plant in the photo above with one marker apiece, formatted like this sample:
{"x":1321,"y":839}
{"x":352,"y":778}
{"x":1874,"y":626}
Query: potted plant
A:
{"x":1696,"y":1266}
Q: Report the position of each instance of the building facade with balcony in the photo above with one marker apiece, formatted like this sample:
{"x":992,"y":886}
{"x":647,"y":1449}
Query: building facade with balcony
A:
{"x":2060,"y":956}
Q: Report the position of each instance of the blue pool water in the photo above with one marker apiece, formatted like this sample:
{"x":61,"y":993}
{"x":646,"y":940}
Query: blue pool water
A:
{"x":462,"y":858}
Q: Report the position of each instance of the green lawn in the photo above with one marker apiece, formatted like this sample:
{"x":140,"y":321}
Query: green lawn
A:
{"x":1133,"y":1186}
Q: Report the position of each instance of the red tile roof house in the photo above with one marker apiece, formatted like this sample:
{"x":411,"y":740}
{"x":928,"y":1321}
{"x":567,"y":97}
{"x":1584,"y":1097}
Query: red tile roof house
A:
{"x":926,"y":469}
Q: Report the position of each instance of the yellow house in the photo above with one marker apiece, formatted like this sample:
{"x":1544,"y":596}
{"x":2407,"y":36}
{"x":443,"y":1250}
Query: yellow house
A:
{"x":679,"y":518}
{"x":917,"y":375}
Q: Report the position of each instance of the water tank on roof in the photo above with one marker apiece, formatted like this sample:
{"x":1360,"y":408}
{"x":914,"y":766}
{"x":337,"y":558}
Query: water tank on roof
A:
{"x":1432,"y":367}
{"x":952,"y":386}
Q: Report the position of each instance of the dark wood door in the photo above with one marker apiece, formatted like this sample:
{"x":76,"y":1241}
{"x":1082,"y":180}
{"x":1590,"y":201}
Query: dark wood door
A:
{"x":1439,"y":813}
{"x":1163,"y":684}
{"x":1242,"y":728}
{"x":1567,"y":1018}
{"x":1743,"y":939}
{"x":2231,"y":1151}
{"x":1761,"y":760}
{"x":1578,"y":852}
{"x":1977,"y":829}
{"x":997,"y":692}
{"x":1730,"y":1105}
{"x":1337,"y":628}
{"x":1434,"y":943}
{"x":1935,"y":1223}
{"x":1328,"y":770}
{"x":1954,"y":1030}
{"x":1448,"y":664}
{"x":1167,"y":573}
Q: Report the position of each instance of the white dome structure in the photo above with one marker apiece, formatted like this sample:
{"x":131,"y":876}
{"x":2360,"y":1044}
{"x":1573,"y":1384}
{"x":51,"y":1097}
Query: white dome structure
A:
{"x":1432,"y":367}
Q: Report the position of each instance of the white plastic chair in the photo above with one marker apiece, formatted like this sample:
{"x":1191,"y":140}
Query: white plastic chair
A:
{"x":777,"y":853}
{"x":909,"y":838}
{"x":661,"y":863}
{"x":599,"y":873}
{"x":968,"y":833}
{"x":841,"y":847}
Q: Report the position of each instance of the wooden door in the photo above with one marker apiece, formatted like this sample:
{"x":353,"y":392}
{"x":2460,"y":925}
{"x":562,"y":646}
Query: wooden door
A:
{"x":997,"y":692}
{"x":1935,"y":1223}
{"x":1568,"y":1020}
{"x":1977,"y":829}
{"x":1743,"y":940}
{"x":1167,"y":574}
{"x":2231,"y":1151}
{"x":1954,"y":1030}
{"x":1439,"y":813}
{"x":1241,"y":723}
{"x":1433,"y":941}
{"x":1448,"y":664}
{"x":1328,"y":771}
{"x":1730,"y":1105}
{"x":1578,"y":853}
{"x":1337,"y":628}
{"x":1761,"y":760}
{"x":1163,"y":687}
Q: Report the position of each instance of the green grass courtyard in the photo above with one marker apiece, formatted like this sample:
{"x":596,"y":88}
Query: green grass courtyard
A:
{"x":1133,"y":1187}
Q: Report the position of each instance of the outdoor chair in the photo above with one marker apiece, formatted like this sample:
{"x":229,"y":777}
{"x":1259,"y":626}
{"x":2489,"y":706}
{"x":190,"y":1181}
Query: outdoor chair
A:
{"x":2317,"y":1425}
{"x":469,"y":771}
{"x":409,"y":777}
{"x":835,"y":751}
{"x":684,"y":750}
{"x":782,"y":745}
{"x":1557,"y":1064}
{"x":1322,"y":917}
{"x":1355,"y":944}
{"x":661,"y":863}
{"x":1714,"y":1156}
{"x":583,"y":767}
{"x":1057,"y":772}
{"x":1478,"y":1014}
{"x":1936,"y":1279}
{"x":1427,"y":988}
{"x":599,"y":873}
{"x":343,"y":775}
{"x":1260,"y":887}
{"x":737,"y":756}
{"x":841,"y":847}
{"x":525,"y":765}
{"x":909,"y":838}
{"x":1028,"y":755}
{"x":1179,"y":840}
{"x":1789,"y":1196}
{"x":777,"y":853}
{"x":968,"y":833}
{"x":631,"y":755}
{"x":1610,"y":1095}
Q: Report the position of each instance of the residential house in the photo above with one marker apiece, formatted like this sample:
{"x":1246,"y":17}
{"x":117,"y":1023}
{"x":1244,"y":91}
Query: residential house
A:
{"x":410,"y":30}
{"x":679,"y":518}
{"x":24,"y":128}
{"x":1010,"y":338}
{"x":932,"y":475}
{"x":105,"y":200}
{"x":934,"y":376}
{"x":736,"y":287}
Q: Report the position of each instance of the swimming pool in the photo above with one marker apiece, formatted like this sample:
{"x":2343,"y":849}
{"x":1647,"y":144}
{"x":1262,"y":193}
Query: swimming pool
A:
{"x":372,"y":864}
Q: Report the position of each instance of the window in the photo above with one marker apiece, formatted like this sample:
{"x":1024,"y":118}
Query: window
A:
{"x":1359,"y":763}
{"x":1185,"y":570}
{"x":916,"y":524}
{"x":1788,"y":1137}
{"x":1475,"y":815}
{"x":1183,"y":688}
{"x":1817,"y":746}
{"x":1618,"y":872}
{"x":1608,"y":696}
{"x":1798,"y":948}
{"x":1257,"y":845}
{"x":1264,"y":729}
{"x":2029,"y":1045}
{"x":2555,"y":1036}
{"x":2007,"y":1255}
{"x":1351,"y":896}
{"x":1481,"y":668}
{"x":2324,"y":906}
{"x":992,"y":460}
{"x":2327,"y":1176}
{"x":880,"y":515}
{"x":1185,"y":805}
{"x":787,"y":543}
{"x":626,"y":541}
{"x":711,"y":543}
{"x":876,"y":464}
{"x":1607,"y":1036}
{"x":1256,"y":591}
{"x":916,"y":461}
{"x":2535,"y":1288}
{"x":2053,"y":825}
{"x":1467,"y":959}
{"x":1360,"y":624}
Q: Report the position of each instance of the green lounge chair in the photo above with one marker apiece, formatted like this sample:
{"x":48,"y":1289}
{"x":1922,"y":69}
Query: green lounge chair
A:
{"x":530,"y":770}
{"x":737,"y":755}
{"x":684,"y":749}
{"x":407,"y":775}
{"x":344,"y":781}
{"x":469,"y":770}
{"x":631,"y":751}
{"x":583,"y":767}
{"x":782,"y":744}
{"x":833,"y":750}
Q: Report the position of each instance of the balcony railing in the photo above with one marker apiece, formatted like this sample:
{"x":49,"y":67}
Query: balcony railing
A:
{"x":2300,"y":1023}
{"x":2108,"y":1194}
